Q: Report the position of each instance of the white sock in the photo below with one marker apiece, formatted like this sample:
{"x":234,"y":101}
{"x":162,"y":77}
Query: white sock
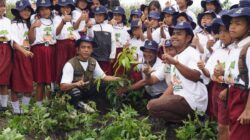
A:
{"x":26,"y":100}
{"x":52,"y":86}
{"x":39,"y":103}
{"x":4,"y":100}
{"x":16,"y":107}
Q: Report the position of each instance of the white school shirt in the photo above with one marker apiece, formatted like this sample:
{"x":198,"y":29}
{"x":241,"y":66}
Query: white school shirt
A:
{"x":195,"y":93}
{"x":68,"y":31}
{"x":46,"y":32}
{"x":5,"y":28}
{"x":75,"y":16}
{"x":19,"y":34}
{"x":156,"y":35}
{"x":107,"y":28}
{"x":121,"y":35}
{"x":164,"y":73}
{"x":137,"y":43}
{"x":68,"y":72}
{"x":232,"y":70}
{"x":220,"y":55}
{"x":161,"y":86}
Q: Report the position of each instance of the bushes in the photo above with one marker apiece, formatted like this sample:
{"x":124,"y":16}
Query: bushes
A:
{"x":59,"y":119}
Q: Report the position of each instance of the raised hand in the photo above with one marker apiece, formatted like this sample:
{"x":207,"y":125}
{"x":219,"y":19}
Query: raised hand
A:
{"x":147,"y":69}
{"x":201,"y":63}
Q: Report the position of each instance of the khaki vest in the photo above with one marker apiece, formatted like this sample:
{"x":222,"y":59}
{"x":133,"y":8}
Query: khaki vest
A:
{"x":80,"y":73}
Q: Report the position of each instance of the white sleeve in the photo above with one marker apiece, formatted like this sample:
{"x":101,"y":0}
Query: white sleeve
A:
{"x":98,"y":72}
{"x":160,"y":73}
{"x":90,"y":32}
{"x":194,"y":59}
{"x":68,"y":74}
{"x":248,"y":65}
{"x":57,"y":20}
{"x":75,"y":16}
{"x":14,"y":35}
{"x":113,"y":48}
{"x":156,"y":35}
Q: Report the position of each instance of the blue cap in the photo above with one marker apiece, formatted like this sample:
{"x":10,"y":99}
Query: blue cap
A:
{"x":189,"y":19}
{"x":65,"y":3}
{"x":154,"y":15}
{"x":168,"y":43}
{"x":118,"y":10}
{"x":85,"y":39}
{"x":200,"y":16}
{"x":133,"y":24}
{"x":43,"y":3}
{"x":100,"y":10}
{"x":234,"y":6}
{"x":182,"y":26}
{"x":150,"y":44}
{"x":237,"y":12}
{"x":169,"y":10}
{"x":244,"y":3}
{"x":215,"y":26}
{"x":216,"y":2}
{"x":137,"y":12}
{"x":20,"y":5}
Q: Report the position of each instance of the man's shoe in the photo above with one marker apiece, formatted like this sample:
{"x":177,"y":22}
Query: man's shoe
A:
{"x":3,"y":109}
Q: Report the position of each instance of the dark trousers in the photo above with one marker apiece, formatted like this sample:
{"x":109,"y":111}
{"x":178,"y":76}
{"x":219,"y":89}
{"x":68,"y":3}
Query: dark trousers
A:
{"x":172,"y":108}
{"x":92,"y":94}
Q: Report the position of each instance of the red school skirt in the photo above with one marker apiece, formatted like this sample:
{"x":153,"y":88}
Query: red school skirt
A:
{"x":43,"y":63}
{"x":65,"y":50}
{"x":219,"y":106}
{"x":237,"y":101}
{"x":22,"y":76}
{"x":5,"y":63}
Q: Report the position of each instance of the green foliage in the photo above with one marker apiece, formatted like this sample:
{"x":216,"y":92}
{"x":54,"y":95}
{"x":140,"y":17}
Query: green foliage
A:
{"x":195,"y":129}
{"x":125,"y":60}
{"x":10,"y":134}
{"x":8,"y":11}
{"x":134,"y":98}
{"x":119,"y":126}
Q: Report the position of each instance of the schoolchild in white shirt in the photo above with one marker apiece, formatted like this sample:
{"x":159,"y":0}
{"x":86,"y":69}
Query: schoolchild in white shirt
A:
{"x":66,"y":35}
{"x":42,"y":36}
{"x":22,"y":76}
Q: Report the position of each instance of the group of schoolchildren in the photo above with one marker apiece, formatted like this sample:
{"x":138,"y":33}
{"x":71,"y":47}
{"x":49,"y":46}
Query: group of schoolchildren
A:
{"x":37,"y":43}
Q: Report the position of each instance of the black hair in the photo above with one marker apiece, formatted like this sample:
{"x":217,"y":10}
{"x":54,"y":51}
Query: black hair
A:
{"x":156,"y":4}
{"x":18,"y":19}
{"x":59,"y":10}
{"x":217,"y":7}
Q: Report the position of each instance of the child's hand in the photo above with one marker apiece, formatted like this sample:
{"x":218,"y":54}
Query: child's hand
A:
{"x":223,"y":95}
{"x":169,"y":59}
{"x":147,"y":69}
{"x":36,"y":24}
{"x":28,"y":53}
{"x":201,"y":64}
{"x":89,"y":24}
{"x":113,"y":22}
{"x":244,"y":118}
{"x":218,"y":70}
{"x":196,"y":40}
{"x":84,"y":16}
{"x":210,"y":43}
{"x":67,"y":18}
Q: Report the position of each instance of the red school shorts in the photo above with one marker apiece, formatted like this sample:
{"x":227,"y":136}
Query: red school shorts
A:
{"x":237,"y":100}
{"x":5,"y":63}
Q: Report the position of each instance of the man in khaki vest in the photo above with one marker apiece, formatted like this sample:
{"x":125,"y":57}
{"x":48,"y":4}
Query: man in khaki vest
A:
{"x":79,"y":74}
